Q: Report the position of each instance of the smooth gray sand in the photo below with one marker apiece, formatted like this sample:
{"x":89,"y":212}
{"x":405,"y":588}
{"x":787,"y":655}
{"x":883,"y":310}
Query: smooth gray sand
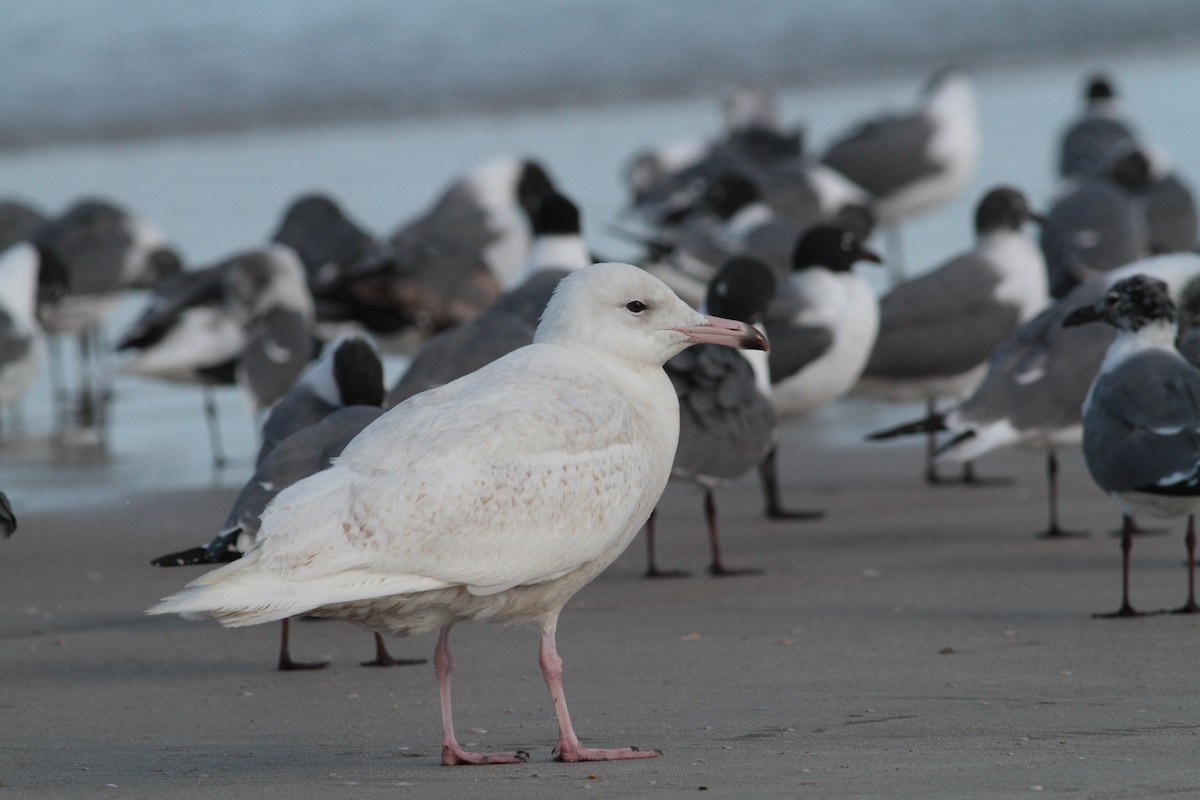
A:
{"x":917,"y":643}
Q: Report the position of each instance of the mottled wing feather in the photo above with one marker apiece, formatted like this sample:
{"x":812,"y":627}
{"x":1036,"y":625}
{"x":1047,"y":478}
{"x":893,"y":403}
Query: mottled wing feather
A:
{"x":497,"y":483}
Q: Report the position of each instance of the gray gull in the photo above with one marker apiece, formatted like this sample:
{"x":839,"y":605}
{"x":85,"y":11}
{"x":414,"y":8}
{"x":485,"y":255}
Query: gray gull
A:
{"x":914,"y":161}
{"x":104,"y":251}
{"x":1032,"y":396}
{"x":726,"y":422}
{"x":937,"y":331}
{"x":247,"y":320}
{"x":508,"y":323}
{"x":1141,"y":418}
{"x":1091,"y":141}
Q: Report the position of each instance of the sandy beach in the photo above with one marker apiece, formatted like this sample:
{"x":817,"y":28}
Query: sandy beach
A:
{"x":918,"y":642}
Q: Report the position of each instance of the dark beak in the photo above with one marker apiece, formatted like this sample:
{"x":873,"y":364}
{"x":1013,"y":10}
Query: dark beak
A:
{"x":1040,"y":219}
{"x":1082,"y":316}
{"x":866,"y":254}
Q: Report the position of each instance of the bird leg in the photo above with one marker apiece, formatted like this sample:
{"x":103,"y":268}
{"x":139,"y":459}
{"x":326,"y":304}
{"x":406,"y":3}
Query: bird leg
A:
{"x":214,"y":429}
{"x":1054,"y":531}
{"x":285,"y":658}
{"x":894,"y":245}
{"x":931,"y":474}
{"x":1126,"y":610}
{"x":1190,"y":606}
{"x":568,"y":747}
{"x":969,"y":478}
{"x":384,"y":659}
{"x":769,"y":477}
{"x":652,"y":570}
{"x":715,"y":567}
{"x":452,"y":754}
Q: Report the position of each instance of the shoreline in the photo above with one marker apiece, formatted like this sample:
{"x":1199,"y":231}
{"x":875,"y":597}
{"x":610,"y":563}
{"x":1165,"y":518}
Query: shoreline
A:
{"x":468,"y":105}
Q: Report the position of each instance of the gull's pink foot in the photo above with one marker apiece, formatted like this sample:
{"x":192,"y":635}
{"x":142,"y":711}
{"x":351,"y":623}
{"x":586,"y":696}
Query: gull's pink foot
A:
{"x":454,"y":756}
{"x":578,"y":753}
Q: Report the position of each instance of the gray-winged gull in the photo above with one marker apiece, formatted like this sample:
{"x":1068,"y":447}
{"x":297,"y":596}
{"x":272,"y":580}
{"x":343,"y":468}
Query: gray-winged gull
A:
{"x":1091,"y":140}
{"x":937,"y":331}
{"x":1032,"y":395}
{"x":336,"y":397}
{"x":558,"y":249}
{"x":726,"y":421}
{"x":822,"y":324}
{"x":104,"y":251}
{"x":914,"y":161}
{"x":349,"y":372}
{"x":1141,"y":418}
{"x":247,"y":320}
{"x":494,"y":498}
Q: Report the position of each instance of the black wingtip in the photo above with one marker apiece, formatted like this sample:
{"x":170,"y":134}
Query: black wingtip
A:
{"x":184,"y":558}
{"x":8,"y":520}
{"x":934,"y":423}
{"x":957,"y":440}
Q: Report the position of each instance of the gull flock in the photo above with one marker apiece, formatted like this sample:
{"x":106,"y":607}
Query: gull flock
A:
{"x":550,"y":395}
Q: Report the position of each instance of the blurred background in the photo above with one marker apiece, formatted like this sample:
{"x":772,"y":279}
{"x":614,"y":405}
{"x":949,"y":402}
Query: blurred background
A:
{"x":209,"y":118}
{"x":88,"y":70}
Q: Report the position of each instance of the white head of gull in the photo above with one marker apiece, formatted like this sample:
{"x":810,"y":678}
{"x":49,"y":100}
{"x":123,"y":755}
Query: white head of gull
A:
{"x":495,"y":497}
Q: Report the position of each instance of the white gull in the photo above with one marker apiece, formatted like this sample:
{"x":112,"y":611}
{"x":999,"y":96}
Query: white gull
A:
{"x":495,"y":497}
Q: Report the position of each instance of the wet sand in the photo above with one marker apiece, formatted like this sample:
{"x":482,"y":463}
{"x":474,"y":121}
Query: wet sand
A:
{"x":918,"y":642}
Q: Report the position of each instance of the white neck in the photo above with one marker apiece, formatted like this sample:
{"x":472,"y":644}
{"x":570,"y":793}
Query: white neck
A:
{"x":565,"y":251}
{"x":761,"y":366}
{"x":18,"y":281}
{"x":1155,"y":336}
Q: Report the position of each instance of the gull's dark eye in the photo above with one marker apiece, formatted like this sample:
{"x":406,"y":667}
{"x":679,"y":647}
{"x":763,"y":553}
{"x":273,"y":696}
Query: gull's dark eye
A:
{"x":636,"y":306}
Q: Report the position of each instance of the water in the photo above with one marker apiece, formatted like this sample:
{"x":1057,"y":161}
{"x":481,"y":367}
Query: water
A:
{"x":97,"y":68}
{"x":219,"y":192}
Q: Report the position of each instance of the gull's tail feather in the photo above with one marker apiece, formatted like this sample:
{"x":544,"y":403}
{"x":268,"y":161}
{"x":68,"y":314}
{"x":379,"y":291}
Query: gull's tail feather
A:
{"x":238,"y":595}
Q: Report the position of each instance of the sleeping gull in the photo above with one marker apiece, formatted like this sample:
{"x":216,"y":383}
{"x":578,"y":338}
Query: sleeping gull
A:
{"x":331,"y":246}
{"x":349,"y":372}
{"x":558,"y":249}
{"x":1091,"y":140}
{"x":1141,"y":418}
{"x":1095,"y":224}
{"x":495,"y":497}
{"x":914,"y":161}
{"x":447,"y":265}
{"x":937,"y":331}
{"x":1032,"y":395}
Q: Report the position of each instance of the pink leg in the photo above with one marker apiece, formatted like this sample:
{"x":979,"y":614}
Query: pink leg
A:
{"x":452,"y":754}
{"x":568,"y":748}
